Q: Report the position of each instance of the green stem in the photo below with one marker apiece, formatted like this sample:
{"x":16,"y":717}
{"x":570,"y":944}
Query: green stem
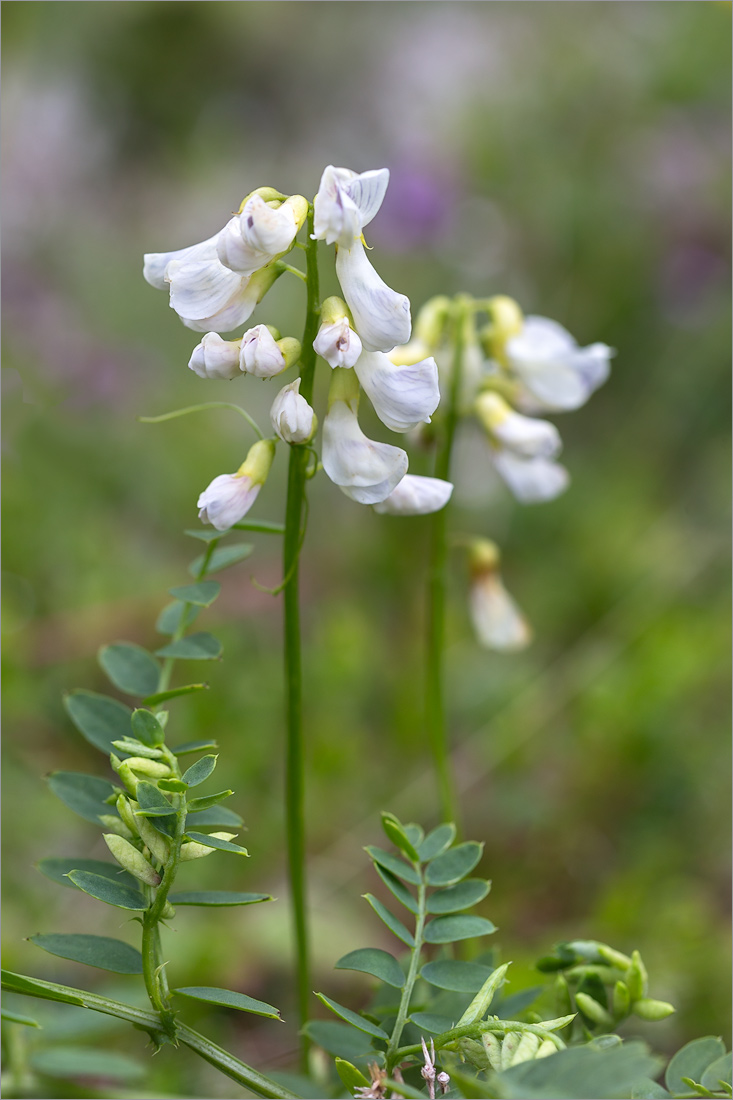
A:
{"x":476,"y":1030}
{"x":167,"y":669}
{"x":294,"y":767}
{"x":148,"y":1021}
{"x":202,"y":408}
{"x":393,"y":1054}
{"x":435,"y":716}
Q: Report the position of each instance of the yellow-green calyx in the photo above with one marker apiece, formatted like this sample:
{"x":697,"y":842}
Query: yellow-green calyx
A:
{"x":256,"y":465}
{"x":344,"y":387}
{"x":334,"y":309}
{"x":483,"y":557}
{"x":431,"y":321}
{"x":267,"y":194}
{"x":491,"y":410}
{"x":291,"y":349}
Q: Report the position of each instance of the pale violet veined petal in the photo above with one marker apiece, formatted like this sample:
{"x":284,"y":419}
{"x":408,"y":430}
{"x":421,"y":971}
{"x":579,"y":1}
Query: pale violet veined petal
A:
{"x":367,"y":191}
{"x":155,"y":264}
{"x":201,"y":288}
{"x":416,"y":496}
{"x":531,"y":480}
{"x":403,"y":397}
{"x":381,"y":315}
{"x":367,"y":471}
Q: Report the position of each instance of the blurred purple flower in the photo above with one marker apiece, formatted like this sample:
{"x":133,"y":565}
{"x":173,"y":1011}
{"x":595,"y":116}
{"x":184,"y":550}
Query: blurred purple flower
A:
{"x":417,"y":210}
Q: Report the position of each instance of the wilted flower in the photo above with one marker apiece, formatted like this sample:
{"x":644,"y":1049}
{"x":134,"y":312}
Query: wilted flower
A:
{"x":230,"y":496}
{"x":381,"y":315}
{"x":416,"y":496}
{"x":363,"y":469}
{"x":260,"y":232}
{"x":346,"y":202}
{"x":291,"y":416}
{"x":553,"y":371}
{"x":498,"y":622}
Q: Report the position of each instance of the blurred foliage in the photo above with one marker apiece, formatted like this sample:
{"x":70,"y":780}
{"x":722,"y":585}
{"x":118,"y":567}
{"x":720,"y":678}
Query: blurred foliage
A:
{"x":575,"y":156}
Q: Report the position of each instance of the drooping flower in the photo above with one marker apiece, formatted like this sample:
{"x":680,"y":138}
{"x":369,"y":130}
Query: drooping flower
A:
{"x":292,"y":418}
{"x":216,"y":358}
{"x":230,"y":496}
{"x":553,"y":371}
{"x":523,"y":450}
{"x":336,"y":341}
{"x":416,"y":496}
{"x":363,"y":469}
{"x":381,"y":315}
{"x":346,"y":202}
{"x":260,"y":232}
{"x":497,"y":621}
{"x":404,"y":396}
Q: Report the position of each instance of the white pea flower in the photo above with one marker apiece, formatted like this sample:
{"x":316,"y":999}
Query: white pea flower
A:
{"x":346,"y":202}
{"x":555,"y":373}
{"x":363,"y":469}
{"x":291,"y":416}
{"x":381,"y":315}
{"x":416,"y":496}
{"x":216,"y":358}
{"x":261,"y":355}
{"x":403,"y":396}
{"x":338,"y":344}
{"x":531,"y":480}
{"x":254,"y":237}
{"x":155,"y":264}
{"x":522,"y":435}
{"x":498,"y":622}
{"x":230,"y":496}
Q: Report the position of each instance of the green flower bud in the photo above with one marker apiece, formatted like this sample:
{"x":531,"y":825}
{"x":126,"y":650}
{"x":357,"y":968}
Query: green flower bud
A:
{"x":267,"y":194}
{"x":154,"y":768}
{"x":613,"y":957}
{"x":111,"y":822}
{"x":192,"y":850}
{"x":479,"y":1006}
{"x":431,"y":321}
{"x":506,"y":321}
{"x":127,"y":776}
{"x":527,"y":1049}
{"x":168,"y":911}
{"x":563,"y":999}
{"x":333,"y":309}
{"x":621,"y":1000}
{"x":546,"y":1047}
{"x":492,"y":1046}
{"x":133,"y":861}
{"x":653,"y":1010}
{"x":136,"y":748}
{"x":593,"y":1011}
{"x":509,"y":1047}
{"x":637,"y":978}
{"x":126,"y":812}
{"x":155,"y":842}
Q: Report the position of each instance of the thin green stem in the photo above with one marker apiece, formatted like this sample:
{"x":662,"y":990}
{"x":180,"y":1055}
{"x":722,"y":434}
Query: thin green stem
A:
{"x":393,"y":1056}
{"x":155,"y":982}
{"x":476,"y":1030}
{"x":202,"y":408}
{"x":294,"y":271}
{"x":435,"y":716}
{"x":294,"y":766}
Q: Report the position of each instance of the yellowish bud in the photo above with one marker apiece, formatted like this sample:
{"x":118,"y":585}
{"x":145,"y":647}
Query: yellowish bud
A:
{"x":333,"y":309}
{"x":431,"y":321}
{"x":154,"y":841}
{"x":256,"y":465}
{"x":125,"y":810}
{"x":154,"y":768}
{"x":506,"y":321}
{"x":192,"y":850}
{"x":111,"y":822}
{"x":133,"y":861}
{"x":483,"y":557}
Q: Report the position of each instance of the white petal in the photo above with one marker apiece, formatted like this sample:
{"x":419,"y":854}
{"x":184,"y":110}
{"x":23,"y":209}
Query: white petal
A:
{"x":366,"y":471}
{"x":498,"y":622}
{"x":250,"y":240}
{"x":403,"y":397}
{"x":260,"y":354}
{"x":156,"y":263}
{"x":338,"y":344}
{"x":531,"y":480}
{"x":381,"y":315}
{"x":226,"y":500}
{"x":206,"y":295}
{"x":523,"y":435}
{"x":336,"y":217}
{"x":367,"y":190}
{"x":291,"y":416}
{"x":216,"y":358}
{"x":416,"y":496}
{"x":556,"y":372}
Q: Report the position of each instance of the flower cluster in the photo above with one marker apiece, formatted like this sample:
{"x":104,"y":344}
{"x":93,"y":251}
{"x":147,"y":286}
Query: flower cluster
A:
{"x":214,"y":287}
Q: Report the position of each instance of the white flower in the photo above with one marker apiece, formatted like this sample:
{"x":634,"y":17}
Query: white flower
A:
{"x":216,"y":358}
{"x":230,"y":496}
{"x":498,"y":622}
{"x":260,"y":354}
{"x":531,"y":480}
{"x":554,"y":372}
{"x":404,"y":396}
{"x":416,"y":496}
{"x":291,"y":416}
{"x":155,"y":264}
{"x":366,"y":471}
{"x":338,"y":344}
{"x":522,"y":435}
{"x":381,"y":315}
{"x":252,"y":238}
{"x":346,"y":202}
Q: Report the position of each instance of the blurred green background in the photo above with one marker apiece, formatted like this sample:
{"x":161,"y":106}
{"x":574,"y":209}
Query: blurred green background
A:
{"x":573,"y":155}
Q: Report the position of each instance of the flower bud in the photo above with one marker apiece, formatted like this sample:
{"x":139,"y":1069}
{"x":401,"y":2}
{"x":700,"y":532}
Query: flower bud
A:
{"x":594,"y":1011}
{"x":653,"y":1010}
{"x":291,"y":416}
{"x":546,"y":1047}
{"x":193,"y":850}
{"x":260,"y":232}
{"x":509,"y":1046}
{"x":133,"y":861}
{"x":155,"y":842}
{"x":506,"y":321}
{"x":522,"y":435}
{"x":621,"y":1000}
{"x":337,"y":342}
{"x":111,"y":822}
{"x":527,"y":1049}
{"x":267,"y":194}
{"x":613,"y":957}
{"x":126,"y":812}
{"x":230,"y":496}
{"x":637,"y":978}
{"x":261,"y":355}
{"x":216,"y":358}
{"x":168,"y":911}
{"x":153,"y":768}
{"x":431,"y":321}
{"x":127,"y":775}
{"x":492,"y":1046}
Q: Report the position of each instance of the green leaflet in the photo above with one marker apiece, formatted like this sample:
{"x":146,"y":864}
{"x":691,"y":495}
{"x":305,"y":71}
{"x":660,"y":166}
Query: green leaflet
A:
{"x":57,"y":869}
{"x":100,"y":951}
{"x":436,"y":842}
{"x":199,"y":771}
{"x":394,"y":864}
{"x":196,"y":647}
{"x":103,"y":889}
{"x":99,"y":718}
{"x":372,"y":960}
{"x":456,"y":974}
{"x":353,"y":1018}
{"x":130,"y":668}
{"x":454,"y":864}
{"x":461,"y":896}
{"x":395,"y":926}
{"x":216,"y":897}
{"x":229,"y":999}
{"x":221,"y":558}
{"x":84,"y":794}
{"x":461,"y":927}
{"x":203,"y":593}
